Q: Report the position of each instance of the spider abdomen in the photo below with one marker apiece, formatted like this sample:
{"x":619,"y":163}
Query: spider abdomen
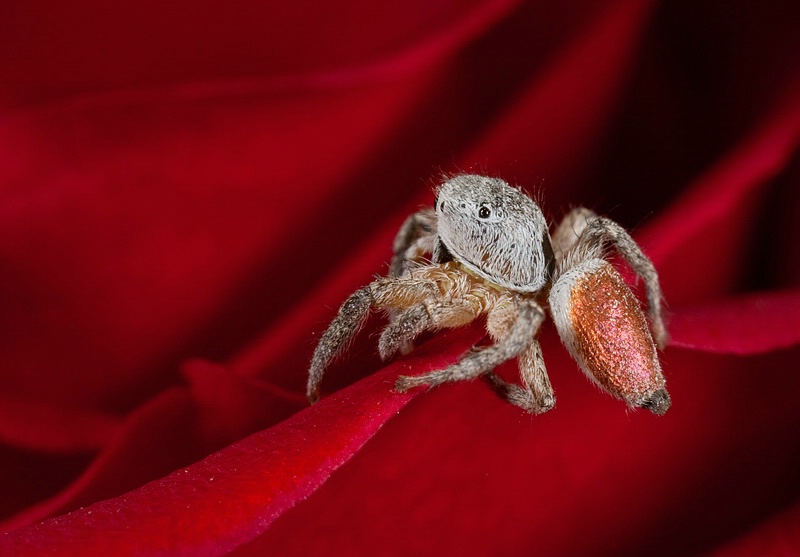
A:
{"x":603,"y":327}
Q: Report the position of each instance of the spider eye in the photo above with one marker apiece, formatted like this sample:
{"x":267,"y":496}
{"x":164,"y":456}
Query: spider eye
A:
{"x":484,"y":212}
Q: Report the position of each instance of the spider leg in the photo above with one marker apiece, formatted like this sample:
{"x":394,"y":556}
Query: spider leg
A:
{"x":382,"y":293}
{"x":582,"y":235}
{"x":569,"y":230}
{"x":414,"y":239}
{"x":477,"y":362}
{"x":406,"y":325}
{"x":602,"y":230}
{"x":536,"y":395}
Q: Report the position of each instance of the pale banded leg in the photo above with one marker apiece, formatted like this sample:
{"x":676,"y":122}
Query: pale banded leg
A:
{"x":414,"y":239}
{"x":602,"y":230}
{"x":583,"y":235}
{"x":478,"y":362}
{"x":382,"y":293}
{"x":569,"y":230}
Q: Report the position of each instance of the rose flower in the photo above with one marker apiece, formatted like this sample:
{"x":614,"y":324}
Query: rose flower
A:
{"x":190,"y":191}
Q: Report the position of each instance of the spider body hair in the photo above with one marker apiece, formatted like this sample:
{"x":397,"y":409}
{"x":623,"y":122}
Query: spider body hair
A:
{"x":492,"y":256}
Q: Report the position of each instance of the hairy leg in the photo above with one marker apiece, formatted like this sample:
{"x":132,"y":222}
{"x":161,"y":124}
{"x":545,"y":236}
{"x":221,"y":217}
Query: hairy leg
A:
{"x":569,"y":230}
{"x":414,"y":239}
{"x":582,"y":234}
{"x":477,"y":362}
{"x":399,"y":293}
{"x":536,"y":395}
{"x":334,"y":340}
{"x":406,"y":325}
{"x":602,"y":230}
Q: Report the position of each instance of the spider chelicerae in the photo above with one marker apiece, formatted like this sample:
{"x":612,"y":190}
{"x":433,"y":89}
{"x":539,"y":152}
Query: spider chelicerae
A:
{"x":491,"y":254}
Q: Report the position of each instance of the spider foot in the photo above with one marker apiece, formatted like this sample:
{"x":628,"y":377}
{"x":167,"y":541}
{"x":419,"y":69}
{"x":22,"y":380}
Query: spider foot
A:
{"x":518,"y":396}
{"x":387,"y":352}
{"x":407,"y":382}
{"x":406,"y":325}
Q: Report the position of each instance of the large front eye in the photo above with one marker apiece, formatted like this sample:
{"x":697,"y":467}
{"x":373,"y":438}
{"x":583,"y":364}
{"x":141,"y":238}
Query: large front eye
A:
{"x":484,"y":212}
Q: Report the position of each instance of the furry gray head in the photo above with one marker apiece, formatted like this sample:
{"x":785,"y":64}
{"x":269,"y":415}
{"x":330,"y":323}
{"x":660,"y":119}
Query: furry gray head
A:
{"x":495,"y":231}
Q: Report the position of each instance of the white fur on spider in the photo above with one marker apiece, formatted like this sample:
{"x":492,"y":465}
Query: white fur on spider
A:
{"x":495,"y":231}
{"x":490,"y":237}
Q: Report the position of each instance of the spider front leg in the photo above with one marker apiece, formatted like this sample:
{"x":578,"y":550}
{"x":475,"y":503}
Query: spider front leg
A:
{"x":582,"y":235}
{"x":478,"y":362}
{"x":408,"y":324}
{"x":536,"y":395}
{"x":569,"y":231}
{"x":414,"y":239}
{"x":405,"y":326}
{"x":397,"y":293}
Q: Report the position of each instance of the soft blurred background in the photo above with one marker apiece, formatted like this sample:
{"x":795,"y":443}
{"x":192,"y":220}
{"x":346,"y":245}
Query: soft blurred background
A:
{"x":188,"y":191}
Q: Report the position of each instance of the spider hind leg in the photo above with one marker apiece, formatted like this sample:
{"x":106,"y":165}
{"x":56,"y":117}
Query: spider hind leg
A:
{"x":582,"y":235}
{"x":391,"y":293}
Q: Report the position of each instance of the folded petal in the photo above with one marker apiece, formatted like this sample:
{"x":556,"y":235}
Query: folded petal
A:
{"x":744,"y":325}
{"x":53,"y":428}
{"x":701,"y":242}
{"x":231,"y":496}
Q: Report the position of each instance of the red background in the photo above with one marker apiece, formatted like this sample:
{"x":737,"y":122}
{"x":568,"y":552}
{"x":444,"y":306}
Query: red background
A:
{"x":188,"y":192}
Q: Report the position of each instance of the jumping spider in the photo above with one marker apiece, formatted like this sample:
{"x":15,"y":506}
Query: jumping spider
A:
{"x":492,"y":254}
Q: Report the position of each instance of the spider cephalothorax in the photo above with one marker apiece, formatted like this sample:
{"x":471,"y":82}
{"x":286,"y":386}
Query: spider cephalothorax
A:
{"x":495,"y":231}
{"x":491,"y":255}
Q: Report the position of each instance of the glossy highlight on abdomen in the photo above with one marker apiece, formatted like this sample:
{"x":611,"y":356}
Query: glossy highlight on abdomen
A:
{"x":605,"y":330}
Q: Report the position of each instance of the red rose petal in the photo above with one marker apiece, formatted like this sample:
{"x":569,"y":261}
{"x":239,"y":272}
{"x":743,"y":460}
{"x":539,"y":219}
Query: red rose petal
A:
{"x":470,"y":475}
{"x":777,"y":537}
{"x":152,"y":441}
{"x":699,"y":243}
{"x":231,"y":496}
{"x":53,"y":428}
{"x":747,"y":325}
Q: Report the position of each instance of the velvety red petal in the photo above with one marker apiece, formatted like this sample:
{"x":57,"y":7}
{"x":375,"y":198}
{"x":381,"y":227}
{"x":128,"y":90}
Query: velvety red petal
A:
{"x":174,"y":429}
{"x":151,"y":442}
{"x":779,"y":536}
{"x":231,"y":496}
{"x":748,"y":325}
{"x":467,"y":474}
{"x":701,"y":242}
{"x":53,"y":428}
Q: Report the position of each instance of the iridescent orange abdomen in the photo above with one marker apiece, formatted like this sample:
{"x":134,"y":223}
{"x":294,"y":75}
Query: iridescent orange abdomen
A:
{"x":605,"y":330}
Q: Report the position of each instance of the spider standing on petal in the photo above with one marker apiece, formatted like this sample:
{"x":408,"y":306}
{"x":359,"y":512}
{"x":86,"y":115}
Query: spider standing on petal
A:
{"x":492,"y":254}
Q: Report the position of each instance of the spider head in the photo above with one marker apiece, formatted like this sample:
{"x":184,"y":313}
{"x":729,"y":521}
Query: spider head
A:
{"x":496,"y":231}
